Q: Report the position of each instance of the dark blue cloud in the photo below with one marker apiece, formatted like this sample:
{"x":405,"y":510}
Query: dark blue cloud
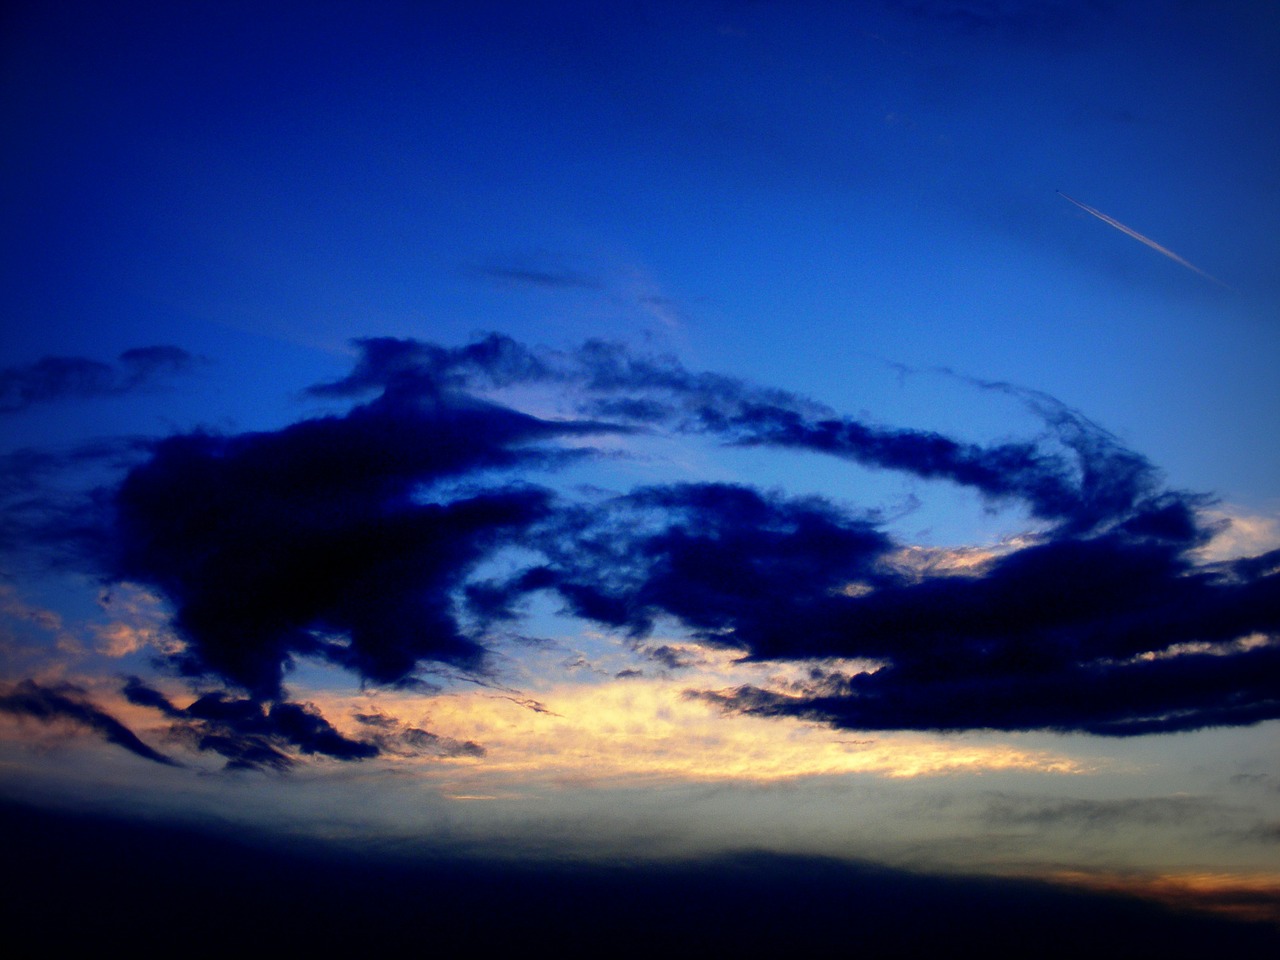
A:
{"x":66,"y":703}
{"x":1105,"y":635}
{"x":732,"y":564}
{"x":1093,"y":628}
{"x":392,"y":736}
{"x":1085,"y":479}
{"x":251,"y":734}
{"x":314,"y":540}
{"x":554,"y":278}
{"x":359,"y":538}
{"x":58,"y":378}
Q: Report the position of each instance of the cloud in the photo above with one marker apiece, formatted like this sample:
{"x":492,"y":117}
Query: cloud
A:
{"x":394,"y":737}
{"x":312,"y":540}
{"x":1088,"y":480}
{"x":1239,"y":533}
{"x":248,"y":733}
{"x":365,"y":539}
{"x":1266,"y":832}
{"x":512,"y":274}
{"x":45,"y":516}
{"x":1250,"y":898}
{"x":67,"y":703}
{"x":1124,"y":813}
{"x":58,"y":378}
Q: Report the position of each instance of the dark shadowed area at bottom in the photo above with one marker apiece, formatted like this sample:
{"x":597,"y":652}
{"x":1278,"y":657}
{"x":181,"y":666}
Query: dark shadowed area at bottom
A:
{"x":81,"y":881}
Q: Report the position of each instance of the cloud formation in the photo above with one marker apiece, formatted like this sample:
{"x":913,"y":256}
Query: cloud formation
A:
{"x":58,"y":378}
{"x":362,"y":538}
{"x":515,"y":274}
{"x":313,"y":540}
{"x":251,"y":735}
{"x":69,"y":704}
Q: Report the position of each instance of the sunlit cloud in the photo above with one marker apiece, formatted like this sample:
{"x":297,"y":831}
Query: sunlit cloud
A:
{"x":1244,"y":896}
{"x":1239,"y":533}
{"x":647,"y":729}
{"x":139,"y":621}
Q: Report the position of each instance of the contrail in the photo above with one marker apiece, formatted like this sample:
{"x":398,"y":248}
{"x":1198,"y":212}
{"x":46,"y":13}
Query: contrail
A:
{"x":1139,"y":237}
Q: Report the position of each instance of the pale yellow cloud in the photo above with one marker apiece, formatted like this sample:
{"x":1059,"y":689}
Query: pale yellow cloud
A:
{"x":1243,"y":534}
{"x":921,"y":561}
{"x":139,"y":620}
{"x":646,"y":729}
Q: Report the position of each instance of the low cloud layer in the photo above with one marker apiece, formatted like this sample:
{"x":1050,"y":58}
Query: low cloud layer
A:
{"x":361,"y":538}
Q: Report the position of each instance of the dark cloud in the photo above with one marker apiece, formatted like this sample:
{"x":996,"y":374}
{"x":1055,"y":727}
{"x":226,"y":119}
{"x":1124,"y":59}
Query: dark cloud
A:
{"x":314,"y":540}
{"x":1126,"y":812}
{"x":410,"y":369}
{"x":1266,"y":832}
{"x":58,"y":378}
{"x":393,"y":737}
{"x":729,"y":562}
{"x":250,"y":734}
{"x":45,"y":517}
{"x":512,"y":274}
{"x":1085,"y":479}
{"x":361,"y":538}
{"x":528,"y":703}
{"x":66,"y":703}
{"x":668,"y":656}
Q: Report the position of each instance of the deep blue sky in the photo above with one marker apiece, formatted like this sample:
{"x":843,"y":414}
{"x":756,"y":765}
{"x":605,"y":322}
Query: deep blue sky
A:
{"x":787,"y":192}
{"x":207,"y":205}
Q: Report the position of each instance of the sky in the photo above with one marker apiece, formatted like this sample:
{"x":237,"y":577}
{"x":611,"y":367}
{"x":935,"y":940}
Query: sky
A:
{"x":653,"y":433}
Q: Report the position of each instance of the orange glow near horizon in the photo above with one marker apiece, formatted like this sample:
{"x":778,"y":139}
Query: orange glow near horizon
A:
{"x":1242,"y":896}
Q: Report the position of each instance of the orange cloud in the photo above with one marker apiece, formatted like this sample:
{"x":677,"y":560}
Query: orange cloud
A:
{"x":1247,"y":896}
{"x":646,"y":729}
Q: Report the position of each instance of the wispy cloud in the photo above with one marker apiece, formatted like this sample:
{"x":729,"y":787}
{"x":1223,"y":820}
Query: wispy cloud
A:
{"x":58,"y":378}
{"x":69,"y":704}
{"x":527,"y":275}
{"x":362,"y":540}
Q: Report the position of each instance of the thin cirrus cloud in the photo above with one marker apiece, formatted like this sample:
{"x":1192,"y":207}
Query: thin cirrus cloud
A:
{"x":361,"y":538}
{"x":519,"y":274}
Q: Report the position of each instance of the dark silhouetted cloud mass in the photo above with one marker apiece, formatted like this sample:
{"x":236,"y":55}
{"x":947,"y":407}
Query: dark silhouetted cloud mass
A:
{"x":359,"y":538}
{"x":313,"y":539}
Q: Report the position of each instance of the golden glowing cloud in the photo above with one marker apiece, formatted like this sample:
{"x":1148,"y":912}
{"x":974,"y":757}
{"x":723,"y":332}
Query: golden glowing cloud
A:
{"x":647,"y":729}
{"x":1243,"y":534}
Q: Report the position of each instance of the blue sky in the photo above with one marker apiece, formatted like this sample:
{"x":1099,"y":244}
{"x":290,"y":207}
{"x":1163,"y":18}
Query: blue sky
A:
{"x":240,"y":236}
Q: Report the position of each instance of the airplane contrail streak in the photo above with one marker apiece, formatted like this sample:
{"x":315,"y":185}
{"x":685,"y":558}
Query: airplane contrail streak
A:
{"x":1139,"y":237}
